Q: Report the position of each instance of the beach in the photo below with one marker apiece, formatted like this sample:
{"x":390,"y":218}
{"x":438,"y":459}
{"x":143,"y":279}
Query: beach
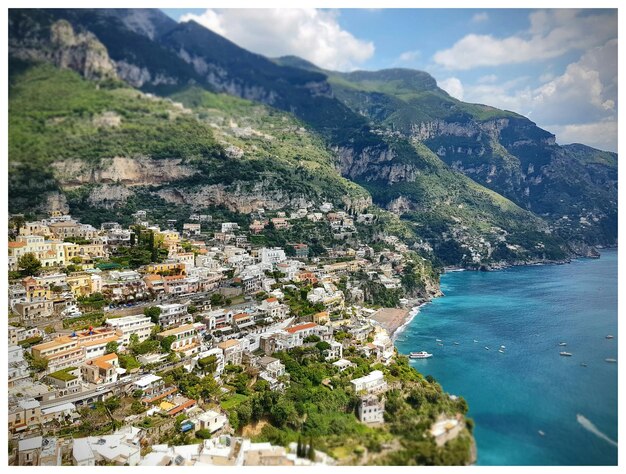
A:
{"x":394,"y":320}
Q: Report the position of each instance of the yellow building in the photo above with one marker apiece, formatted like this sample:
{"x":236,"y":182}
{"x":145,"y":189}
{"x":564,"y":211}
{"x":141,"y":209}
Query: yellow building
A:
{"x":175,"y":268}
{"x":84,"y":284}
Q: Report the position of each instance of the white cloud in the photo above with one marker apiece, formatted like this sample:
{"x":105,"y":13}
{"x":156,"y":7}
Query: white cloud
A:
{"x":453,"y":86}
{"x":480,"y":17}
{"x":488,"y":79}
{"x":409,"y":56}
{"x":312,"y":34}
{"x":602,"y":135}
{"x":550,"y":34}
{"x":586,"y":91}
{"x":575,"y":105}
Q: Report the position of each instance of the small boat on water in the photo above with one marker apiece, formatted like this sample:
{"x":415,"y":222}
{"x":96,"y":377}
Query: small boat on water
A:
{"x":613,"y":361}
{"x":486,"y":348}
{"x":541,"y":433}
{"x":566,"y":354}
{"x":475,"y":340}
{"x":562,"y":343}
{"x":440,"y":344}
{"x":456,"y":343}
{"x":439,"y":340}
{"x":582,"y":364}
{"x":420,"y":355}
{"x":501,"y":351}
{"x":502,"y":347}
{"x":609,"y":337}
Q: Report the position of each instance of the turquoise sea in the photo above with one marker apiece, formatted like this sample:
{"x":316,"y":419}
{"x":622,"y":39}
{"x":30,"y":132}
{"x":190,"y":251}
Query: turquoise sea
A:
{"x":530,"y":387}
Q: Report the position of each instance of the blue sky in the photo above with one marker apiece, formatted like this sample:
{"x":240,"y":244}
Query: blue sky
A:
{"x":558,"y":67}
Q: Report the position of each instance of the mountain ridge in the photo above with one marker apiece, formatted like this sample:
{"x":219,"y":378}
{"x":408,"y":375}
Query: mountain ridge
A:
{"x":399,"y":167}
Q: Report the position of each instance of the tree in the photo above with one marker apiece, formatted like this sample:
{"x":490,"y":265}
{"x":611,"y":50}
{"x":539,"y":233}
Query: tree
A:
{"x":207,"y":364}
{"x":191,"y":309}
{"x":166,"y":343}
{"x":311,"y":453}
{"x":153,"y":312}
{"x":112,"y":403}
{"x":133,"y":340}
{"x":299,"y":450}
{"x":111,"y":347}
{"x":29,"y":264}
{"x":76,"y":260}
{"x":39,"y":363}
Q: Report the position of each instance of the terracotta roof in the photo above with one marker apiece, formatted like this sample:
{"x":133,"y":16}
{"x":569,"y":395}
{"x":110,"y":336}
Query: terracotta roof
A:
{"x":300,"y":327}
{"x":271,"y":300}
{"x":171,"y":332}
{"x":108,"y":357}
{"x":179,"y":408}
{"x":241,"y":316}
{"x":227,"y":344}
{"x":153,"y":277}
{"x":174,"y":277}
{"x":16,"y":245}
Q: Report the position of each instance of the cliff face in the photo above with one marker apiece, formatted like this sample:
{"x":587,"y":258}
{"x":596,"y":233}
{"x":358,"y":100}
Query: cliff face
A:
{"x":65,"y":48}
{"x":136,"y":171}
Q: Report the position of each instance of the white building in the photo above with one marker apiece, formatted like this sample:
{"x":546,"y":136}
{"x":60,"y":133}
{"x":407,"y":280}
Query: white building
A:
{"x":371,"y":409}
{"x":129,"y":325}
{"x":272,"y":255}
{"x":174,"y":314}
{"x":372,"y":383}
{"x":211,"y":421}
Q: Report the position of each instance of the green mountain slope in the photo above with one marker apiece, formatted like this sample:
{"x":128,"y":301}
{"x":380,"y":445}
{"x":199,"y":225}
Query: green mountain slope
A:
{"x":460,"y":220}
{"x":77,"y":135}
{"x":502,"y":150}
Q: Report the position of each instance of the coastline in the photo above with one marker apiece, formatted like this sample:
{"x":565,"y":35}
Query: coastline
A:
{"x":394,"y":327}
{"x":415,"y":310}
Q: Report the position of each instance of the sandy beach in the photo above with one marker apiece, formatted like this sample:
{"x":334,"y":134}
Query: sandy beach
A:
{"x":391,"y":318}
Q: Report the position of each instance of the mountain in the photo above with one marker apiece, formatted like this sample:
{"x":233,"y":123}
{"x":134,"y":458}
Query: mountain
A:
{"x":352,"y":123}
{"x":571,"y":186}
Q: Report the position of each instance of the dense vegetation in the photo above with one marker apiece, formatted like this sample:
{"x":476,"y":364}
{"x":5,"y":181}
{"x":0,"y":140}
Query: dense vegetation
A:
{"x":319,"y":404}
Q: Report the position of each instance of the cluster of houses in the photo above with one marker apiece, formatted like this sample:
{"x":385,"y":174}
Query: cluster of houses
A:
{"x":82,"y":367}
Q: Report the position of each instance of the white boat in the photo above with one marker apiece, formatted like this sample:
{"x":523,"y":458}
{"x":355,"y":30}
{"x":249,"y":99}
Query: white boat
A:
{"x":440,"y":344}
{"x":582,"y":364}
{"x":502,"y":347}
{"x":475,"y":340}
{"x":439,"y":340}
{"x":562,"y":343}
{"x":611,"y":360}
{"x":541,"y":433}
{"x":486,"y":348}
{"x":420,"y":355}
{"x":501,"y":351}
{"x":566,"y":354}
{"x":609,"y":337}
{"x":456,"y":343}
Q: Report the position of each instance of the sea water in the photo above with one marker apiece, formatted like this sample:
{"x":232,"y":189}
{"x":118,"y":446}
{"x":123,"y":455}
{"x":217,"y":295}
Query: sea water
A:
{"x":528,"y":388}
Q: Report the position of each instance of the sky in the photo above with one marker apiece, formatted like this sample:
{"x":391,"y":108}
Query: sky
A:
{"x":557,"y":67}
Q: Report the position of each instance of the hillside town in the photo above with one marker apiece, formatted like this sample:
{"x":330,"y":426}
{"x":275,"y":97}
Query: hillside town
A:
{"x":136,"y":345}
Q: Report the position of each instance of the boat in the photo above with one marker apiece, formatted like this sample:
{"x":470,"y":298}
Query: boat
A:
{"x":439,"y":340}
{"x":475,"y":340}
{"x":420,"y":355}
{"x":501,"y":351}
{"x":541,"y":433}
{"x":582,"y":364}
{"x":562,"y":343}
{"x":566,"y":354}
{"x":440,"y":344}
{"x":611,"y":360}
{"x":502,"y":347}
{"x":456,"y":343}
{"x":486,"y":348}
{"x":609,"y":337}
